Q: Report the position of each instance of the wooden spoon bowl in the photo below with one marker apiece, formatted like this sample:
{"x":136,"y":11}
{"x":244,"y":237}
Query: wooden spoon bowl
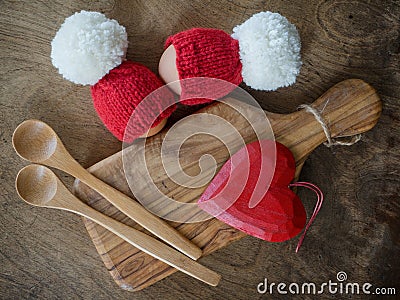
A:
{"x":36,"y":185}
{"x":39,"y":186}
{"x":34,"y":140}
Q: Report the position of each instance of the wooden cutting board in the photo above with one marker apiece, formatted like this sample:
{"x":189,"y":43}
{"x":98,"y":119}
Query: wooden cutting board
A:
{"x":350,"y":107}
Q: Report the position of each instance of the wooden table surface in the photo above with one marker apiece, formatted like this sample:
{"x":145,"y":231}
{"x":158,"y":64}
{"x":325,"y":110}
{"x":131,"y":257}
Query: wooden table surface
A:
{"x":47,"y":254}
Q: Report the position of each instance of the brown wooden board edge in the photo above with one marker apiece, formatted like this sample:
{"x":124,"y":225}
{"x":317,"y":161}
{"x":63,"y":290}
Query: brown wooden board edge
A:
{"x":96,"y":239}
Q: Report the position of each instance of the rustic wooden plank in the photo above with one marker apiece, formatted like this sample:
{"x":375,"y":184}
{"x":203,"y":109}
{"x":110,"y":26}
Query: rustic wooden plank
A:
{"x":47,"y":254}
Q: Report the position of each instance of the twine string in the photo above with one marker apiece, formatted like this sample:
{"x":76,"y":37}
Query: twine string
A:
{"x":331,"y":141}
{"x":318,"y":205}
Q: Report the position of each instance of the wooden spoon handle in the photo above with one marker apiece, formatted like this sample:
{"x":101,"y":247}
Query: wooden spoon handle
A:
{"x":62,"y":160}
{"x":138,"y":239}
{"x":133,"y":210}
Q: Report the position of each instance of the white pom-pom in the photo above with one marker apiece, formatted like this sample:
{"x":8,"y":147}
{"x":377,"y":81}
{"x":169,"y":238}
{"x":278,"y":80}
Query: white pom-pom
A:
{"x":269,"y":51}
{"x":87,"y":46}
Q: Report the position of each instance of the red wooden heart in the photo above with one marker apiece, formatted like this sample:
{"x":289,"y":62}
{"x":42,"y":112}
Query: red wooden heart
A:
{"x":258,"y":174}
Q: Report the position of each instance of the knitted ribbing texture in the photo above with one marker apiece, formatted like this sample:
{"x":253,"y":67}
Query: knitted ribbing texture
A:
{"x":206,"y":52}
{"x":117,"y":95}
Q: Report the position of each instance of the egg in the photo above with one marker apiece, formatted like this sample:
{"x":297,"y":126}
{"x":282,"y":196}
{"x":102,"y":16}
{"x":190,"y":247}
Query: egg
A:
{"x":168,"y":71}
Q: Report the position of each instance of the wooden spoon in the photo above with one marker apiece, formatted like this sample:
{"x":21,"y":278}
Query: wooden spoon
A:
{"x":39,"y":186}
{"x":37,"y":142}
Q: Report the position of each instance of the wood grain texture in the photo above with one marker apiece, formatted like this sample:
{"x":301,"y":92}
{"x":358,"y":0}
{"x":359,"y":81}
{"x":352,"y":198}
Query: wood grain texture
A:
{"x":35,"y":141}
{"x":357,"y":231}
{"x":39,"y":186}
{"x":352,"y":107}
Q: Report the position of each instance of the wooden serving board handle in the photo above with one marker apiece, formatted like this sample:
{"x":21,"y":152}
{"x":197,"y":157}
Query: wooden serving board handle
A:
{"x":350,"y":107}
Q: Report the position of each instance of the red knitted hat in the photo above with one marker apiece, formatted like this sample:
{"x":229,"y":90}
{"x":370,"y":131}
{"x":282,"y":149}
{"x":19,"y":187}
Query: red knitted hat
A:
{"x":264,"y":51}
{"x":116,"y":96}
{"x":90,"y":49}
{"x":205,"y":52}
